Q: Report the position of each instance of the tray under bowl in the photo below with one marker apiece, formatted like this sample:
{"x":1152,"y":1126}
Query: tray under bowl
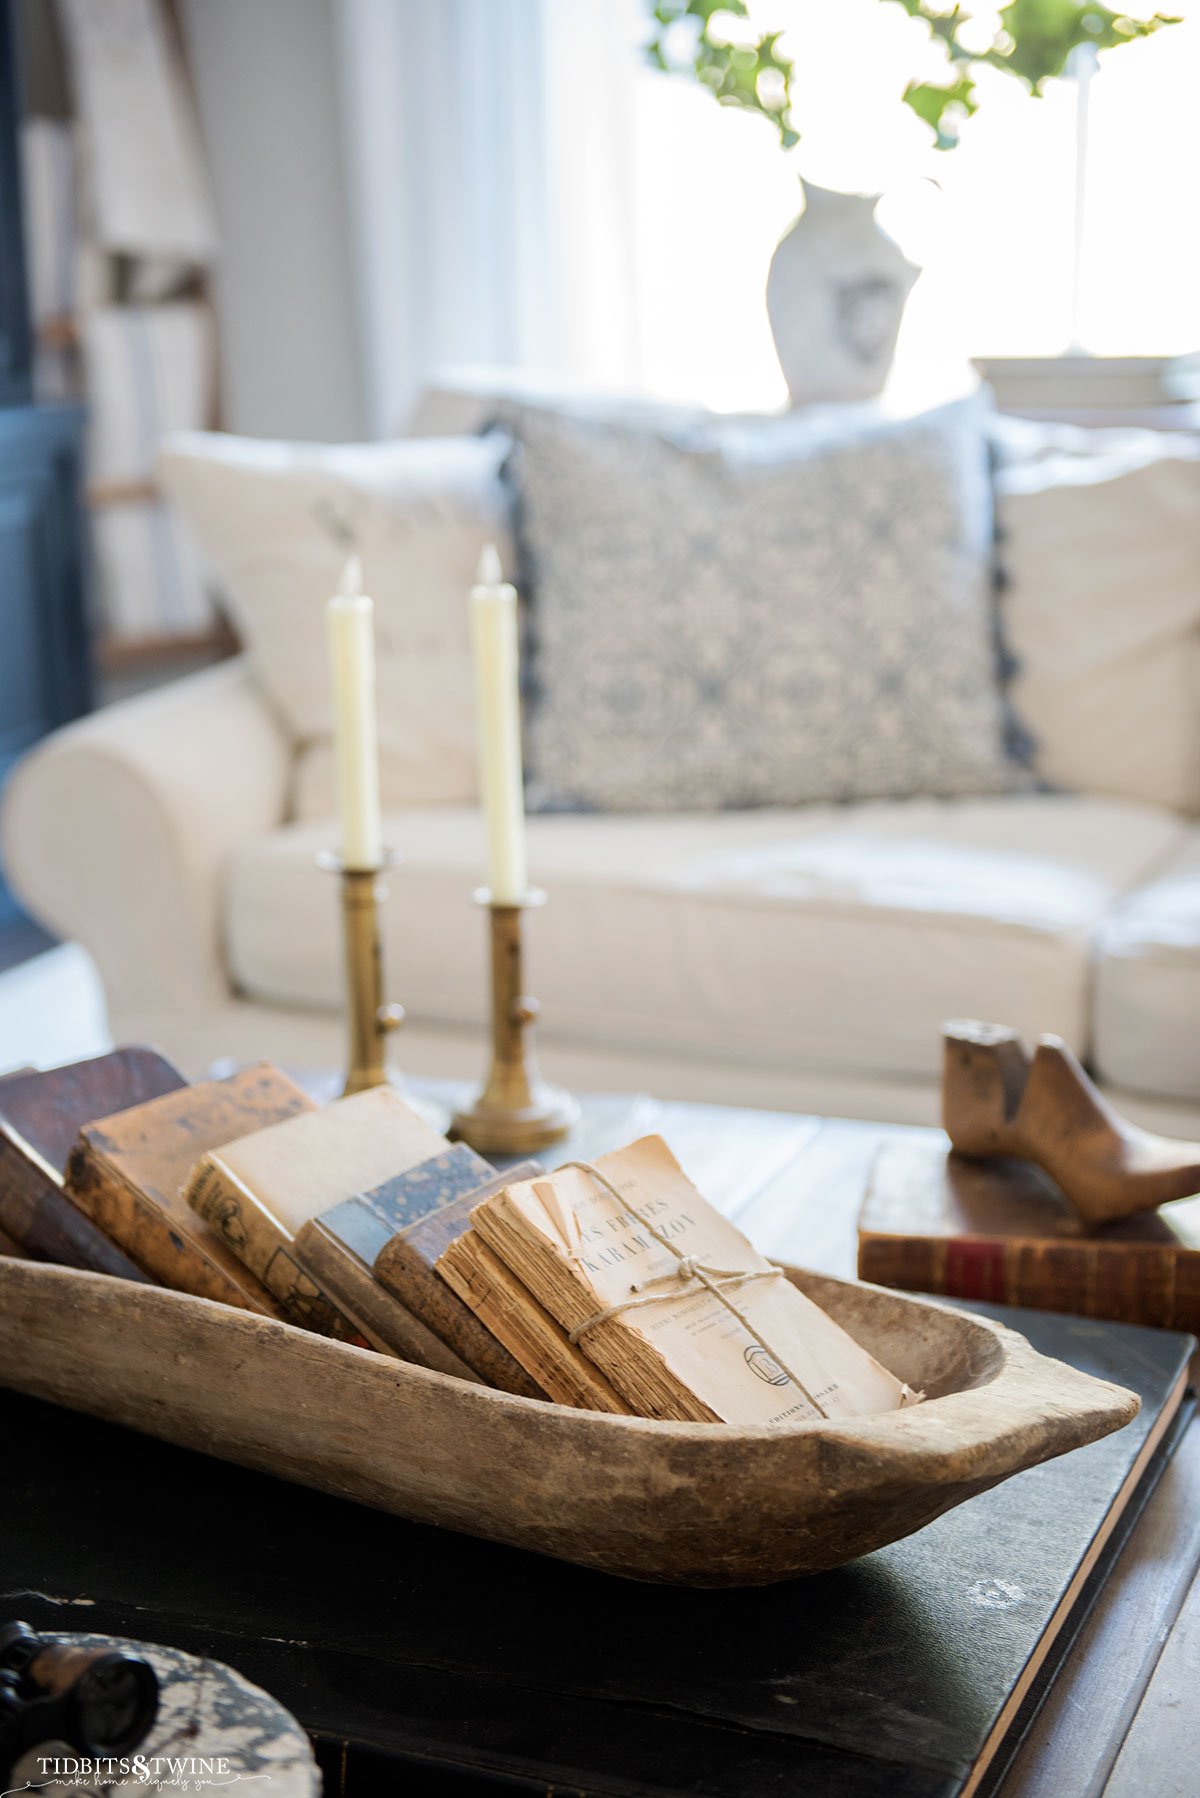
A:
{"x":688,"y":1504}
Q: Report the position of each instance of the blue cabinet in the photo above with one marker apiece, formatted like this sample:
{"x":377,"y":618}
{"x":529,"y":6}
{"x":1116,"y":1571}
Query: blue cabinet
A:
{"x":16,"y":349}
{"x":45,"y":674}
{"x":45,"y":670}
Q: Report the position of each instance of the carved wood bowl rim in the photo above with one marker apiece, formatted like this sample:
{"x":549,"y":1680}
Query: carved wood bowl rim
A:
{"x":700,"y":1504}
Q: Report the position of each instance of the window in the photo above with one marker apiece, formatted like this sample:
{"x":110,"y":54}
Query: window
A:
{"x":1028,"y":250}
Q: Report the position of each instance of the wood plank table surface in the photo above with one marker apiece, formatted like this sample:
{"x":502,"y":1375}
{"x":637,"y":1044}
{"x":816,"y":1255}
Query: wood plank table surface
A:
{"x":1121,"y":1717}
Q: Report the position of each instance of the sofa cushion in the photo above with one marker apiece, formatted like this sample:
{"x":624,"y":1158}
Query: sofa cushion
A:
{"x":761,"y":613}
{"x":276,"y":521}
{"x":1100,"y":540}
{"x":1148,"y":982}
{"x":827,"y":938}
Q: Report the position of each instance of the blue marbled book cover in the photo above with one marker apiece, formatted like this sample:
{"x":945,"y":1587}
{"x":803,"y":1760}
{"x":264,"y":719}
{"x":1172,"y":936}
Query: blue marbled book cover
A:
{"x":364,"y":1223}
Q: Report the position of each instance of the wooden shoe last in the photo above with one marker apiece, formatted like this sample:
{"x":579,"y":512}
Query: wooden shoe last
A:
{"x":997,"y":1100}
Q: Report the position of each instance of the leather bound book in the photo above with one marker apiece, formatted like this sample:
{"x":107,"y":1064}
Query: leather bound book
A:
{"x":41,"y":1114}
{"x":405,"y":1266}
{"x":127,"y":1171}
{"x":337,"y":1249}
{"x":367,"y":1222}
{"x":258,"y":1188}
{"x":933,"y":1221}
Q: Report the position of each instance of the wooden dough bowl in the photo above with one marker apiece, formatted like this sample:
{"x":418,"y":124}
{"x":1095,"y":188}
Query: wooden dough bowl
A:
{"x":688,"y":1504}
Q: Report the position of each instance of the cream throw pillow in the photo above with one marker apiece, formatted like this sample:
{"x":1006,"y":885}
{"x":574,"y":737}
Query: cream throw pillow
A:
{"x":763,"y":612}
{"x":1100,"y":541}
{"x":268,"y":517}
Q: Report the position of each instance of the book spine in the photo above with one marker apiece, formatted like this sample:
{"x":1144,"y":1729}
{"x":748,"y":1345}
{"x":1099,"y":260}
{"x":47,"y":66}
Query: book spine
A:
{"x":384,"y":1322}
{"x":498,"y":1299}
{"x":309,"y":1305}
{"x":913,"y":1264}
{"x":636,"y":1369}
{"x":1122,"y":1281}
{"x":168,"y":1255}
{"x":1125,"y":1282}
{"x":43,"y":1222}
{"x":227,"y":1205}
{"x":426,"y":1296}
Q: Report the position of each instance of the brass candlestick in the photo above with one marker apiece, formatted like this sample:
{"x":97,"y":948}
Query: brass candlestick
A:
{"x":370,"y":1020}
{"x":516,"y":1112}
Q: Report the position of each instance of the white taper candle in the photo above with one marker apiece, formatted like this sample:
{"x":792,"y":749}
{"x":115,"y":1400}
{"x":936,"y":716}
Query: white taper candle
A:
{"x":352,"y":651}
{"x":498,"y":723}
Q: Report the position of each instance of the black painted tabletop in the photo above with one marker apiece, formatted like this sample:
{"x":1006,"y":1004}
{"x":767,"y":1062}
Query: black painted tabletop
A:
{"x":483,"y":1666}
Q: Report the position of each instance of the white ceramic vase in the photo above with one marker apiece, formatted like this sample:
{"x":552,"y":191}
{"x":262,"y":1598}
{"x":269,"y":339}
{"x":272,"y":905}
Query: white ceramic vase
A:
{"x":835,"y":297}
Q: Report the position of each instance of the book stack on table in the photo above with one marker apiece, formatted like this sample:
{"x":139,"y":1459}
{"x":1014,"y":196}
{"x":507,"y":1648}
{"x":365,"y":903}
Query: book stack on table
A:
{"x":1000,"y":1230}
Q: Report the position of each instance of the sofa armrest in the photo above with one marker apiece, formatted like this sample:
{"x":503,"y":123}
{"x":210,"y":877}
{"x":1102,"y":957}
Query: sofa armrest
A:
{"x":117,"y":829}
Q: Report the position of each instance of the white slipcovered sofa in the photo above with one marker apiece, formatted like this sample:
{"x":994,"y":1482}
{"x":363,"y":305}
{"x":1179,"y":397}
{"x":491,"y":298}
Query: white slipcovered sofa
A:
{"x":800,"y":959}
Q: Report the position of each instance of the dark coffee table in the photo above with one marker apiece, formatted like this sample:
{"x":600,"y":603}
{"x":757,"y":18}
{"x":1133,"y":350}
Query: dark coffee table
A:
{"x":1121,"y":1717}
{"x":133,"y":1531}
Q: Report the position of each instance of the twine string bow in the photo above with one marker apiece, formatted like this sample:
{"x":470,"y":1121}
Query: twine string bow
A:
{"x":689,"y":1271}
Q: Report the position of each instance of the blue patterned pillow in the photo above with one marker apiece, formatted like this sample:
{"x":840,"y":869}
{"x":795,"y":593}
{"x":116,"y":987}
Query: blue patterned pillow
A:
{"x":759,"y":613}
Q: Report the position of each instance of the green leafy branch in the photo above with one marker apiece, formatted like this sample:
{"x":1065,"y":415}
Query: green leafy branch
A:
{"x":751,"y":74}
{"x":1035,"y":43}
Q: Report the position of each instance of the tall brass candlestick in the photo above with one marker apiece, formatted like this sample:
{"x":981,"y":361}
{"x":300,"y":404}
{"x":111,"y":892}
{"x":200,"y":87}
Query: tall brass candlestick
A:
{"x":516,"y":1112}
{"x":370,"y":1021}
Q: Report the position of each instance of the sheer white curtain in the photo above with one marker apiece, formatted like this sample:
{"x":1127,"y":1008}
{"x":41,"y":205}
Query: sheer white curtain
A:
{"x":488,"y":153}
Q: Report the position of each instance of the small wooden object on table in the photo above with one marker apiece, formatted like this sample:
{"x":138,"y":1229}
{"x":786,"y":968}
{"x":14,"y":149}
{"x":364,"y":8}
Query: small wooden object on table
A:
{"x":998,"y":1100}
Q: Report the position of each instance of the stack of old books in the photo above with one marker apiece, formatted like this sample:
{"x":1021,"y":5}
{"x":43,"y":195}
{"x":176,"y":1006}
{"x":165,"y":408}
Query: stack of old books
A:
{"x":620,"y":1288}
{"x":615,"y":1286}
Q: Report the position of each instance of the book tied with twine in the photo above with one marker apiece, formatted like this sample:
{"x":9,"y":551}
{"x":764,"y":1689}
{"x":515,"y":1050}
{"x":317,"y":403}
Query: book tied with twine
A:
{"x":667,"y":1299}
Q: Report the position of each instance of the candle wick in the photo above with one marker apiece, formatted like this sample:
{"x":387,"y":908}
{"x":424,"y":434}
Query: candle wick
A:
{"x":352,"y":583}
{"x":490,"y":572}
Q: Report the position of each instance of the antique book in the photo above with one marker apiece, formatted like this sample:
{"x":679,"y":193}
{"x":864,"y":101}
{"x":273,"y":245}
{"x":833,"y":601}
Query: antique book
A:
{"x":378,"y":1320}
{"x":368,"y":1221}
{"x":259,"y":1190}
{"x":508,"y":1309}
{"x":756,"y":1351}
{"x":933,"y":1221}
{"x":405,"y":1266}
{"x":338,"y":1248}
{"x":126,"y":1172}
{"x":41,"y":1113}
